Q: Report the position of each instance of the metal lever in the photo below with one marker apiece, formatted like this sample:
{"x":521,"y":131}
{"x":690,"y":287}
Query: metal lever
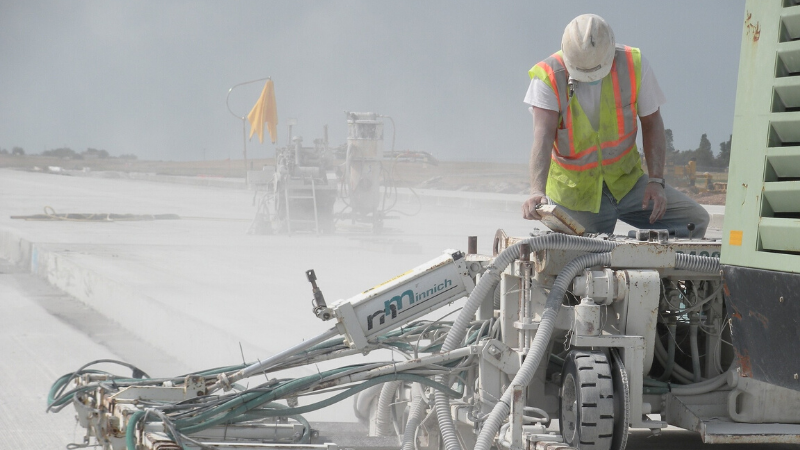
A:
{"x":321,"y":309}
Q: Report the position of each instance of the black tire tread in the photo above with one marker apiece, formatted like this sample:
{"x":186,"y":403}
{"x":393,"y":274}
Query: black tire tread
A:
{"x":596,"y":399}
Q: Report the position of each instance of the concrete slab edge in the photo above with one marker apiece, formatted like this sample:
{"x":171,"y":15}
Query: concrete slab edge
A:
{"x":460,"y":200}
{"x":15,"y":249}
{"x":487,"y":201}
{"x":443,"y":199}
{"x":198,"y":344}
{"x":218,"y":182}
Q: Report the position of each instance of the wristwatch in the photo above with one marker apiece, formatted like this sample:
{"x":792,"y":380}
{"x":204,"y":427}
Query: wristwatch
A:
{"x":659,"y":181}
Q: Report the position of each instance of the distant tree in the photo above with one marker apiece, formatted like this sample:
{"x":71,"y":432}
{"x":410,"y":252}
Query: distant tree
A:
{"x":127,"y":156}
{"x":95,"y":153}
{"x":672,"y":155}
{"x":3,"y":151}
{"x":705,"y":158}
{"x":670,"y":140}
{"x":724,"y":156}
{"x":18,"y":151}
{"x":63,"y":152}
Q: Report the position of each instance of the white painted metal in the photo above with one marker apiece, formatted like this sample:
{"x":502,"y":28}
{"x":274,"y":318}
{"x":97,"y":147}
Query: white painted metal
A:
{"x":644,"y":288}
{"x":753,"y":401}
{"x":404,"y":298}
{"x":587,"y":318}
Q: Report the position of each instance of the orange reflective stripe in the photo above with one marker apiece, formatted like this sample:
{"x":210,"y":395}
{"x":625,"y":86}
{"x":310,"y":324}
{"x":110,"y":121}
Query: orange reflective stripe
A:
{"x":552,"y":77}
{"x":618,"y":141}
{"x":631,"y":73}
{"x":618,"y":99}
{"x":577,"y":168}
{"x":560,"y":60}
{"x":617,"y":158}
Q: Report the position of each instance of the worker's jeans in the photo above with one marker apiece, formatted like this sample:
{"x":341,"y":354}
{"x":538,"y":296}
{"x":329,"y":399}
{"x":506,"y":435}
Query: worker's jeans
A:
{"x":681,"y":210}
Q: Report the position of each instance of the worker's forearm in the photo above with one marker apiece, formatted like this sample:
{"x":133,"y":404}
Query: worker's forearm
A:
{"x":655,"y":144}
{"x":545,"y":123}
{"x":539,"y":166}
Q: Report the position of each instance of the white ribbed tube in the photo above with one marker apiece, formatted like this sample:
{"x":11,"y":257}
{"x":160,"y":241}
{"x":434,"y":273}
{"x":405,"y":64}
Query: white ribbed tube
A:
{"x":539,"y":345}
{"x":485,"y":290}
{"x":414,"y":419}
{"x":383,"y":416}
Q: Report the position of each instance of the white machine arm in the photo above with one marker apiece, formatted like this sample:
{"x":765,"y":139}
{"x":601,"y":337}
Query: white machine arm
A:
{"x":402,"y":299}
{"x":399,"y":301}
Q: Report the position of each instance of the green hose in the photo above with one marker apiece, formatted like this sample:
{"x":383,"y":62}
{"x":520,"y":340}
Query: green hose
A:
{"x":365,"y":385}
{"x":249,"y":400}
{"x":655,"y":390}
{"x":654,"y":383}
{"x":256,"y":399}
{"x":556,"y":360}
{"x":130,"y":430}
{"x":257,"y":414}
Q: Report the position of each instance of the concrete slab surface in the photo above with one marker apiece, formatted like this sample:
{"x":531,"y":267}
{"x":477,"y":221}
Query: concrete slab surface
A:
{"x":178,"y":295}
{"x":43,"y":335}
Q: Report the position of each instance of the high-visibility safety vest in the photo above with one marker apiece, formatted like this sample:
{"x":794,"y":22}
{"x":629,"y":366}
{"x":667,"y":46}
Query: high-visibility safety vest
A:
{"x":582,"y":157}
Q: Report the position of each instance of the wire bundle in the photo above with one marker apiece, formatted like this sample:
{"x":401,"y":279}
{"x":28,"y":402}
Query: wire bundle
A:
{"x":181,"y":419}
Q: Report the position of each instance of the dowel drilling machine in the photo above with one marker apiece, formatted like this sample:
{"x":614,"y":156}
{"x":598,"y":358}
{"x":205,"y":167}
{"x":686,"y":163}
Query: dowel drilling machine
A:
{"x":599,"y":334}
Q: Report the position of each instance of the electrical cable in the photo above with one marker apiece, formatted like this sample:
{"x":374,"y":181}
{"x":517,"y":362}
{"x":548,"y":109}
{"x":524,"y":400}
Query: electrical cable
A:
{"x":670,"y":363}
{"x":678,"y":372}
{"x":693,"y":326}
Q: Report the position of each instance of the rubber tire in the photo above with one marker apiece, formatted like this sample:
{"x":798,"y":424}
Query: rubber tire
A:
{"x":587,"y":401}
{"x":622,"y":411}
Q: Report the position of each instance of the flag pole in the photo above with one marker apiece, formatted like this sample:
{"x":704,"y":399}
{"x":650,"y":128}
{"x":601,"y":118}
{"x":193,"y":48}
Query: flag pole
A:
{"x":243,"y":118}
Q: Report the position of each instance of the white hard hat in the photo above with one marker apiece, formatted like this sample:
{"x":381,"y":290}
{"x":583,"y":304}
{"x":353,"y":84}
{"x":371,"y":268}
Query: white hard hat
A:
{"x":588,"y":45}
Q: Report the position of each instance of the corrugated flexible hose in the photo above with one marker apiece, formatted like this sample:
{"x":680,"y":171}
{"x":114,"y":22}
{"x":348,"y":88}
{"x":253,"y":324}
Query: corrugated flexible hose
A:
{"x":539,"y":346}
{"x":414,"y":419}
{"x":483,"y":291}
{"x":383,"y":417}
{"x":486,"y":286}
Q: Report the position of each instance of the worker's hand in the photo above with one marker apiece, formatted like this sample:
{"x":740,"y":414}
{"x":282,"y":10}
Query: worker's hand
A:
{"x":529,"y":207}
{"x":655,"y":193}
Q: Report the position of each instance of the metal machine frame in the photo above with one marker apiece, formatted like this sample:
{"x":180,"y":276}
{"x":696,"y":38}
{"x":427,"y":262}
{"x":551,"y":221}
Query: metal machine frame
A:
{"x":601,"y":333}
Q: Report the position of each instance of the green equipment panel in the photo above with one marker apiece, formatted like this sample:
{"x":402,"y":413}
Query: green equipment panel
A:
{"x":762,"y":210}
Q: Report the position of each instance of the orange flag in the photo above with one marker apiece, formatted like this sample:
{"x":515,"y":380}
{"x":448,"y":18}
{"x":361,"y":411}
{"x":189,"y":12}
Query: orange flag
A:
{"x":265,"y":112}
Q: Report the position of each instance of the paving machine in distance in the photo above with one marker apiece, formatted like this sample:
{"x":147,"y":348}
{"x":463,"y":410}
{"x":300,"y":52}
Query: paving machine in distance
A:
{"x":298,"y":193}
{"x":563,"y":341}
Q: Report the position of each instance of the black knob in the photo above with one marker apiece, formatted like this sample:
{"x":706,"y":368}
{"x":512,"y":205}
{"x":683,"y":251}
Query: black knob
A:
{"x":690,"y":226}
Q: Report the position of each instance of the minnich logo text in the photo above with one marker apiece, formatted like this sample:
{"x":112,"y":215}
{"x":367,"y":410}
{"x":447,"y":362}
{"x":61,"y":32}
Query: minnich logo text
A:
{"x":393,"y":306}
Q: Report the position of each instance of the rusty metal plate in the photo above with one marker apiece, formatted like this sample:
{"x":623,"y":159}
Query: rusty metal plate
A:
{"x":764,"y":307}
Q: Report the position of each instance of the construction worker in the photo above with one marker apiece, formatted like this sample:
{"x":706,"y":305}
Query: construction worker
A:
{"x":585,"y":100}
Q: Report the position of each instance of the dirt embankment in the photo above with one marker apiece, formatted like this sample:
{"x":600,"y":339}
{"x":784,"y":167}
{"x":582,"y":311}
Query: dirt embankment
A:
{"x":505,"y":178}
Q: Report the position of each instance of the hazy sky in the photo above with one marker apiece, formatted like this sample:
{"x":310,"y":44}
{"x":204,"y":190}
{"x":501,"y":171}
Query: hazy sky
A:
{"x":151,"y":77}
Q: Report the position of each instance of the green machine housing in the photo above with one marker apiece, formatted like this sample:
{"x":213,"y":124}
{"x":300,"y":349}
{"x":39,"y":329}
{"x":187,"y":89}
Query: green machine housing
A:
{"x":761,"y":236}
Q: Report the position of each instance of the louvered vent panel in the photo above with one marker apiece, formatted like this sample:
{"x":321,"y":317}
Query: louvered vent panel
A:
{"x":779,"y":226}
